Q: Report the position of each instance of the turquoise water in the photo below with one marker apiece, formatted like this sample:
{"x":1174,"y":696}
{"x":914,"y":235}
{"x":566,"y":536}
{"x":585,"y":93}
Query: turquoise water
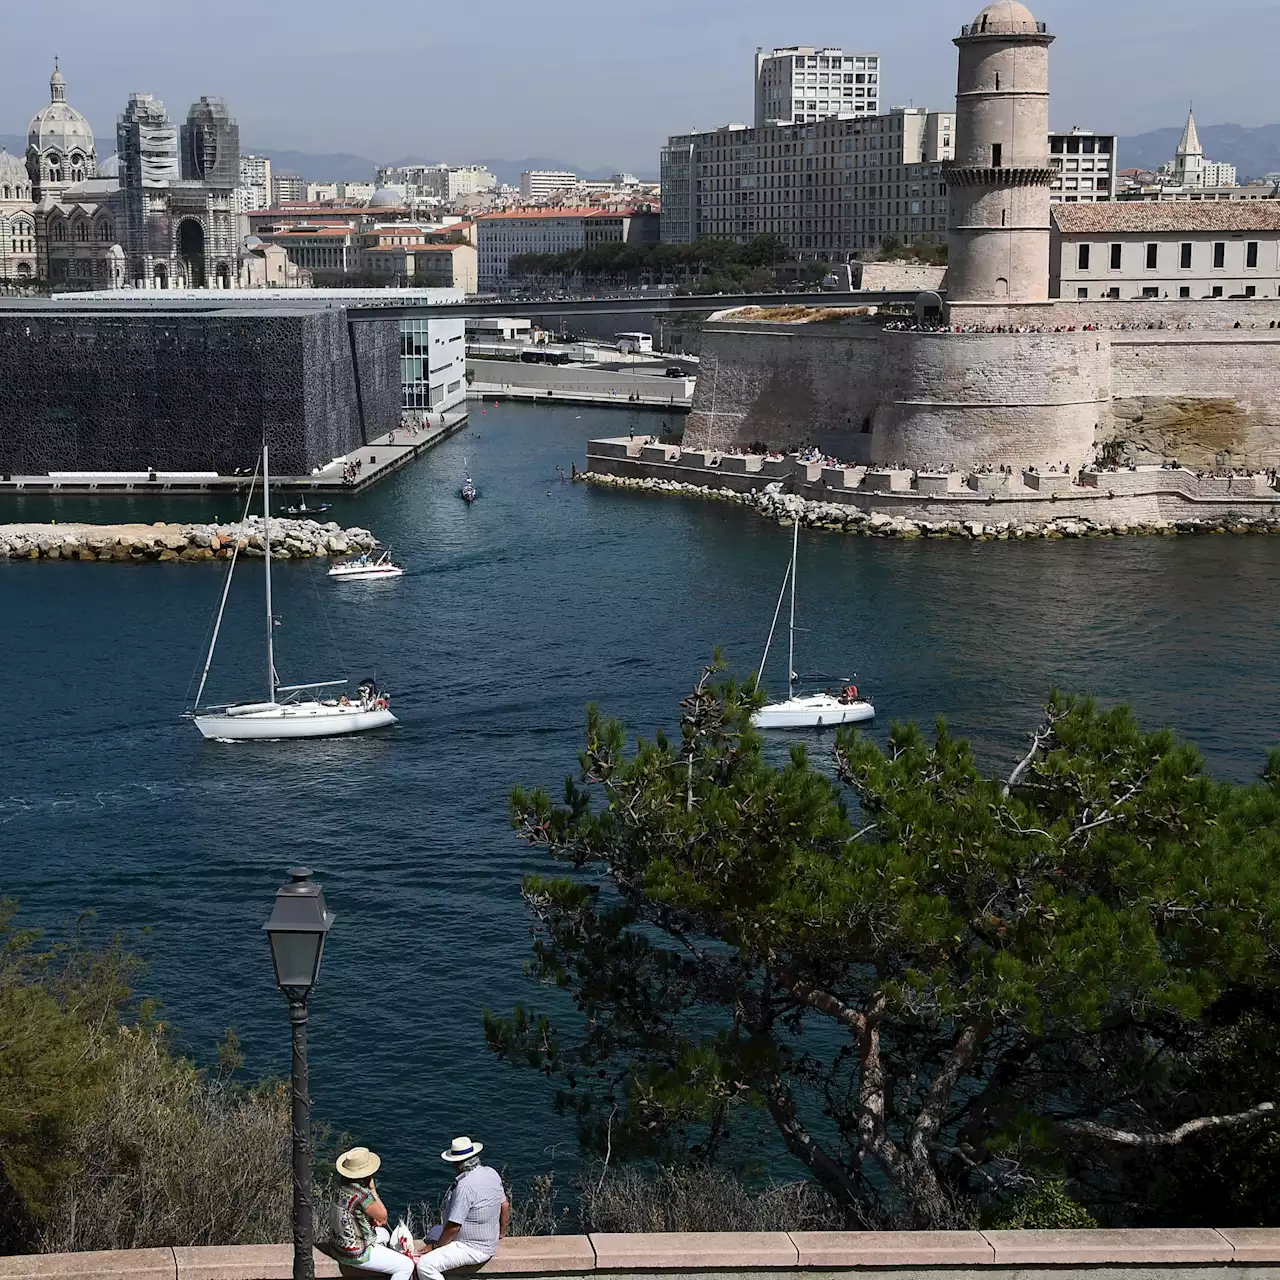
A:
{"x":514,"y":614}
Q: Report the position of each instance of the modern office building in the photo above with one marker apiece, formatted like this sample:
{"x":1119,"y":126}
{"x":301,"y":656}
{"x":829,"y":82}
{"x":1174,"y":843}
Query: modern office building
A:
{"x":828,"y":189}
{"x":288,"y":188}
{"x":1084,"y":167}
{"x":802,"y":84}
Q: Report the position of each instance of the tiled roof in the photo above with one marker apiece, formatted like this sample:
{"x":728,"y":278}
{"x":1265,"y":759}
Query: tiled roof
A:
{"x":540,"y":213}
{"x":1167,"y":215}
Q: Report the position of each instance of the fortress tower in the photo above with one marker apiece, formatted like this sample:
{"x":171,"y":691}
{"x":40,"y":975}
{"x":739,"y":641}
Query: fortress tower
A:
{"x":999,"y":181}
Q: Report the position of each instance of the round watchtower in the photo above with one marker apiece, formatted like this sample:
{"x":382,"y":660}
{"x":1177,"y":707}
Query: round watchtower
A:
{"x":999,"y":180}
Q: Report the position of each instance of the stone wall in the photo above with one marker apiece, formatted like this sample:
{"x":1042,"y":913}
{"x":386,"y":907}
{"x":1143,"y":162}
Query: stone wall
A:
{"x":1201,"y":313}
{"x":1189,"y":1253}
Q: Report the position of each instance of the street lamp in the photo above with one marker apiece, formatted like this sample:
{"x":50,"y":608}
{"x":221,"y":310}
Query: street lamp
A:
{"x":296,"y":930}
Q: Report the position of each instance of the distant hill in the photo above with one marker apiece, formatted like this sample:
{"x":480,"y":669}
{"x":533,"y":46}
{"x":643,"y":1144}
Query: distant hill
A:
{"x":344,"y":167}
{"x":1254,"y":152}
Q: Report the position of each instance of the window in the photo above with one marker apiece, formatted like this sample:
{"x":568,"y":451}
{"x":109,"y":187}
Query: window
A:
{"x":1082,"y":293}
{"x":1251,"y":254}
{"x":1251,"y":291}
{"x":997,"y":155}
{"x":1151,"y":291}
{"x":1184,"y":291}
{"x":1185,"y":260}
{"x":1114,"y":293}
{"x":1082,"y":257}
{"x":1219,"y":258}
{"x":1153,"y":256}
{"x":1217,"y":291}
{"x":1116,"y":251}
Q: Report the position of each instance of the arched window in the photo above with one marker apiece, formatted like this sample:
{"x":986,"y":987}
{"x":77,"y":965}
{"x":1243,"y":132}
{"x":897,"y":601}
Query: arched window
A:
{"x":7,"y":194}
{"x":59,"y":230}
{"x":82,"y":231}
{"x":106,"y":233}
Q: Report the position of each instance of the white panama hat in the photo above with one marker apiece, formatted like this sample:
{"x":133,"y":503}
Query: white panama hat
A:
{"x":358,"y":1163}
{"x":461,"y":1149}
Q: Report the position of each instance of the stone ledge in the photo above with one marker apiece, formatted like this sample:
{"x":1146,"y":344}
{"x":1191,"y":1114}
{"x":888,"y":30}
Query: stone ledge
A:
{"x":827,"y":1249}
{"x":695,"y":1250}
{"x":1179,"y":1245}
{"x":540,"y":1255}
{"x":245,"y":1262}
{"x":104,"y":1264}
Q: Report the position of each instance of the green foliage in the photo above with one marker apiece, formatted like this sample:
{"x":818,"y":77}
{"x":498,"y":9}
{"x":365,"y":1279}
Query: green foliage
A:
{"x":737,"y":266}
{"x":892,"y":249}
{"x":930,"y":981}
{"x":108,"y":1139}
{"x":1047,"y":1207}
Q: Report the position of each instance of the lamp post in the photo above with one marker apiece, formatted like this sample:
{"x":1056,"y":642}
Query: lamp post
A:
{"x":296,"y":930}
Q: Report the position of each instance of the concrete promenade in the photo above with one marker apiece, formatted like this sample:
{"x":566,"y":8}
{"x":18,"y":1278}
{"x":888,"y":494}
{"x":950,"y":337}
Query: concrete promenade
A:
{"x":1247,"y":1253}
{"x":376,"y":460}
{"x":579,"y":384}
{"x":1145,"y":496}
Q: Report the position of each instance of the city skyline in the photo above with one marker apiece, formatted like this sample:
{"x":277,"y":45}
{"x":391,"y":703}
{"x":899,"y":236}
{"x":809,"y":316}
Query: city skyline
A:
{"x":519,"y":86}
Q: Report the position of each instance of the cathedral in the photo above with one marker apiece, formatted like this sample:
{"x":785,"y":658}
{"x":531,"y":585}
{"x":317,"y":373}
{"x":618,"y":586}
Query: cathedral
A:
{"x":158,"y":214}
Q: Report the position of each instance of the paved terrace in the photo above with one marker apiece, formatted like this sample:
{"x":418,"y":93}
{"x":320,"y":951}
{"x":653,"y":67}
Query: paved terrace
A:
{"x":1248,"y":1253}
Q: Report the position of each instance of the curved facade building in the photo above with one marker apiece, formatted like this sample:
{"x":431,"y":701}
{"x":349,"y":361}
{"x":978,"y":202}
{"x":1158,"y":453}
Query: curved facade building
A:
{"x":999,"y":183}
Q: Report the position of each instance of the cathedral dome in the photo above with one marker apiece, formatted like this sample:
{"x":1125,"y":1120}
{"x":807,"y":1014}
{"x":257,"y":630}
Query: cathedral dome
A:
{"x":1006,"y":17}
{"x":386,"y":198}
{"x":60,"y":127}
{"x":12,"y":169}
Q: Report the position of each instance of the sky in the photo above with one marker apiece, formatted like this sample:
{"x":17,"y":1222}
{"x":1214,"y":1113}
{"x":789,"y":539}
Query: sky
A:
{"x":594,"y":84}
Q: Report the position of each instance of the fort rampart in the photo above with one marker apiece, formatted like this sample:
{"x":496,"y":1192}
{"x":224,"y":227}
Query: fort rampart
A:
{"x":1004,"y":386}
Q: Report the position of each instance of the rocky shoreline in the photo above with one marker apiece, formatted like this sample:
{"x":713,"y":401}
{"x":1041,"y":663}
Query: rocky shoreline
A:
{"x":290,"y":540}
{"x":841,"y":518}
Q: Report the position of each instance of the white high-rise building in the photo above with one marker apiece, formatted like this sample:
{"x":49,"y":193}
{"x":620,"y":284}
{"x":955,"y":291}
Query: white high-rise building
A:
{"x":254,"y":191}
{"x":801,"y":84}
{"x":542,"y":184}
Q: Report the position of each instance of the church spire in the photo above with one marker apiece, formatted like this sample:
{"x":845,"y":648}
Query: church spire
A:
{"x":57,"y":85}
{"x":1190,"y":144}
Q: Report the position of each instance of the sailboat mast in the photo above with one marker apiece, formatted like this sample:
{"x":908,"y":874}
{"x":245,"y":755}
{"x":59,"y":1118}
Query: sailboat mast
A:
{"x":266,"y":543}
{"x":791,"y":641}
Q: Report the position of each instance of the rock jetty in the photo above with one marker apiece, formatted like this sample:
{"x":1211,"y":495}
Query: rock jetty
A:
{"x":839,"y":517}
{"x":290,"y":540}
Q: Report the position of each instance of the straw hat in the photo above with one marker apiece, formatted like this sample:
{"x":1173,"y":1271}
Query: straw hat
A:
{"x":461,"y":1149}
{"x":358,"y":1163}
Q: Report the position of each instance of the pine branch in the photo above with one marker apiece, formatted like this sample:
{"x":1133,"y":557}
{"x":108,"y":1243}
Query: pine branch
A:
{"x":1170,"y":1137}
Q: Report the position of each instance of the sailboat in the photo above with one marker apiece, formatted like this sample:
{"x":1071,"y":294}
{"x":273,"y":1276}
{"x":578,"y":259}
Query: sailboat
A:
{"x":290,"y":711}
{"x":806,"y":710}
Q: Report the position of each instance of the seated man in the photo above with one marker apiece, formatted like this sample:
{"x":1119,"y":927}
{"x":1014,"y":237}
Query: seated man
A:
{"x":476,"y":1214}
{"x":359,"y":1220}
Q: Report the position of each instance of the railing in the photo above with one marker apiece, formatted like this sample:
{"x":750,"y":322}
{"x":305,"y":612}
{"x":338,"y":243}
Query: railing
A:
{"x":998,"y":29}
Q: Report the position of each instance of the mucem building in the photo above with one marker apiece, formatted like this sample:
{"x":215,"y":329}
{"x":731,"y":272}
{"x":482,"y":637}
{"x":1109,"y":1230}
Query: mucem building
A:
{"x":133,"y":386}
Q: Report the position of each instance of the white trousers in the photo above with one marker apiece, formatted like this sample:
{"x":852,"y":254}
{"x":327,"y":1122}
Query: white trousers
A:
{"x":433,"y":1265}
{"x":384,"y":1260}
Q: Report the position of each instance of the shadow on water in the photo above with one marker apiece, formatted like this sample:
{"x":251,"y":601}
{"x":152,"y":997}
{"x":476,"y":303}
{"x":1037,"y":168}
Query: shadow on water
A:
{"x":517,"y":611}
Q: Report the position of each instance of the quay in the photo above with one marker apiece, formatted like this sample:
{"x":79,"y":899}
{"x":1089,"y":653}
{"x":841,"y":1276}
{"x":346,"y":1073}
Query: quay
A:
{"x":375,"y":461}
{"x":889,"y":499}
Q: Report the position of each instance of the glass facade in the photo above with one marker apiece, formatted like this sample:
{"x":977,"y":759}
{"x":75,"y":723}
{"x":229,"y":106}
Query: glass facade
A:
{"x":433,"y":363}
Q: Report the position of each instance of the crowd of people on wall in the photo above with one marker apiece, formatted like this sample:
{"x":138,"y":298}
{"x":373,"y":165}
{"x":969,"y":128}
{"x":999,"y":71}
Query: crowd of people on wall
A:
{"x":476,"y":1215}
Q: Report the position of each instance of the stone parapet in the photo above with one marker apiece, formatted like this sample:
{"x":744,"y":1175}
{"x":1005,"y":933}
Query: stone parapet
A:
{"x":1176,"y":1254}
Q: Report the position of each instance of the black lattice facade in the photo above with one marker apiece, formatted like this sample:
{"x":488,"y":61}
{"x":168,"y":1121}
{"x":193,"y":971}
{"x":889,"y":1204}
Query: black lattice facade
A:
{"x":120,"y":391}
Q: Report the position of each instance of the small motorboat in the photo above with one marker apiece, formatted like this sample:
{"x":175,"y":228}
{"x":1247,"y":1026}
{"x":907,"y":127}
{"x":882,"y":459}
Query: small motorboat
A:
{"x":468,"y":492}
{"x":301,"y":509}
{"x":366,"y":568}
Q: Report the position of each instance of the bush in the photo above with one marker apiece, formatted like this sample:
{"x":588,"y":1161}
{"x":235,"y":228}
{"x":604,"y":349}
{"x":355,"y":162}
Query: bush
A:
{"x":109,"y":1139}
{"x":1043,"y":1208}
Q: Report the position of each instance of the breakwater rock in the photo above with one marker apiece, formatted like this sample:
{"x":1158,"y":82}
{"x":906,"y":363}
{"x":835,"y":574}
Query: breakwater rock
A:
{"x":838,"y":517}
{"x":290,"y":540}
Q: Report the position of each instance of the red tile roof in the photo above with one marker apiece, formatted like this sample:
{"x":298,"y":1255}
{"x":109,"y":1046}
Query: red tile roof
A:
{"x":1167,"y":215}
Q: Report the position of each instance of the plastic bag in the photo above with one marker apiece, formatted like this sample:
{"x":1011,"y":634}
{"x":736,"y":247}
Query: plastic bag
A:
{"x":402,"y":1239}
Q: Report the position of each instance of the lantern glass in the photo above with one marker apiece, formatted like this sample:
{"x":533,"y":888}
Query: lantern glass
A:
{"x":297,"y":928}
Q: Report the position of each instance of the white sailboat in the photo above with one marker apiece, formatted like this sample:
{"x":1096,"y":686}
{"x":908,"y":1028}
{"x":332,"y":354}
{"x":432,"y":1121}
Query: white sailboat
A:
{"x":288,"y":711}
{"x":806,"y":710}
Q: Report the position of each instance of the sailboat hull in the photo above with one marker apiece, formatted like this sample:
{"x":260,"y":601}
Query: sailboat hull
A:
{"x":813,"y":711}
{"x":270,"y":721}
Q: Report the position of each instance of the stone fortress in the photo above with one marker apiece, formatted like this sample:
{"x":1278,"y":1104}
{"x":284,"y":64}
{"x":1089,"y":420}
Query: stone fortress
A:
{"x":1001,"y":376}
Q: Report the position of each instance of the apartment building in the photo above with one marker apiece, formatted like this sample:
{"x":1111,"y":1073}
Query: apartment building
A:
{"x":288,"y":188}
{"x":1166,"y":249}
{"x":542,"y":184}
{"x":503,"y":236}
{"x":803,"y":84}
{"x":445,"y":182}
{"x":829,"y":189}
{"x":1084,"y":167}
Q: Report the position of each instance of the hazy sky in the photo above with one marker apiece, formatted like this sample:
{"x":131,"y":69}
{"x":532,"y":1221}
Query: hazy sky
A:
{"x":596,"y":84}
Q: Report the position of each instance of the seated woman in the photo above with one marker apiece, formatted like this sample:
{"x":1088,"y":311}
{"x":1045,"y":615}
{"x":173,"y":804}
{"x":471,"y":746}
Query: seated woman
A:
{"x":359,"y":1219}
